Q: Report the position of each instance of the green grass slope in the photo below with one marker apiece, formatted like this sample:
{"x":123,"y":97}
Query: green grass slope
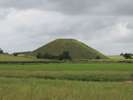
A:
{"x":77,"y":49}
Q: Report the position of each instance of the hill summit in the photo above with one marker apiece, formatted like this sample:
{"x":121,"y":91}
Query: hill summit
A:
{"x":76,"y":49}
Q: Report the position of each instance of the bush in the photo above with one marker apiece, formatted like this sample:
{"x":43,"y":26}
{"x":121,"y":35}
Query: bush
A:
{"x":46,"y":56}
{"x":98,"y":57}
{"x":15,"y":54}
{"x":39,"y":56}
{"x":64,"y":56}
{"x":1,"y":51}
{"x":127,"y":56}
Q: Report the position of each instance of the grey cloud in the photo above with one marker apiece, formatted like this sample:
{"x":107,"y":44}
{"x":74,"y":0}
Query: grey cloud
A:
{"x":74,"y":7}
{"x":33,"y":28}
{"x":4,"y":13}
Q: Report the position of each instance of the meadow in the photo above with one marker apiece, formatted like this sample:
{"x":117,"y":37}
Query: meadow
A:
{"x":66,"y":81}
{"x":40,"y":89}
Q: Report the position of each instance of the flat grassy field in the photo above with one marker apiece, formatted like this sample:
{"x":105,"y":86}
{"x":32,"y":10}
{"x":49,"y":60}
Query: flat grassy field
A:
{"x":66,"y":81}
{"x":40,"y":89}
{"x":69,"y":67}
{"x":117,"y":57}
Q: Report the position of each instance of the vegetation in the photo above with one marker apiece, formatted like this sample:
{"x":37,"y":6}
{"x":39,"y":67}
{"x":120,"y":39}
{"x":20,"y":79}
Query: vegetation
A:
{"x":84,"y":72}
{"x":40,"y":89}
{"x":64,"y":56}
{"x":7,"y":57}
{"x":74,"y":72}
{"x":66,"y":81}
{"x":127,"y":55}
{"x":76,"y":49}
{"x":15,"y":54}
{"x":1,"y":51}
{"x":21,"y":53}
{"x":117,"y":57}
{"x":69,"y":67}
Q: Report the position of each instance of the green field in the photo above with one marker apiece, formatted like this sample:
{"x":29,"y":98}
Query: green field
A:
{"x":39,"y":89}
{"x":69,"y":67}
{"x":66,"y":81}
{"x":6,"y":57}
{"x":117,"y":57}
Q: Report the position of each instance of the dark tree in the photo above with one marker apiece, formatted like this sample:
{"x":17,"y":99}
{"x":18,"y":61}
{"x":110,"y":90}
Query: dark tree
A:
{"x":48,"y":56}
{"x":98,"y":57}
{"x":15,"y":54}
{"x":1,"y":51}
{"x":65,"y":56}
{"x":39,"y":56}
{"x":127,"y":56}
{"x":121,"y":54}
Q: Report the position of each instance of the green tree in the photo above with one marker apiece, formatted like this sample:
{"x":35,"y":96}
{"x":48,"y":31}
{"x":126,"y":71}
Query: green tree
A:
{"x":98,"y":57}
{"x":15,"y":54}
{"x":39,"y":56}
{"x":65,"y":56}
{"x":1,"y":51}
{"x":127,"y":56}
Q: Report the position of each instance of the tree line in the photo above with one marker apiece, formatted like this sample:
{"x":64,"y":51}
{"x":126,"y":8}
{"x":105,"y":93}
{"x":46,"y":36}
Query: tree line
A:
{"x":127,"y":55}
{"x":63,"y":56}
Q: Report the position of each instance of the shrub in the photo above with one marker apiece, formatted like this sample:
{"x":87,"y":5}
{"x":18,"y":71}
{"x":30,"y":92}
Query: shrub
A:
{"x":15,"y":54}
{"x":1,"y":51}
{"x":65,"y":56}
{"x":98,"y":57}
{"x":127,"y":56}
{"x":39,"y":56}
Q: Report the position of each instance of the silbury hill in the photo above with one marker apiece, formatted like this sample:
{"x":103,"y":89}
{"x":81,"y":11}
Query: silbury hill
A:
{"x":75,"y":48}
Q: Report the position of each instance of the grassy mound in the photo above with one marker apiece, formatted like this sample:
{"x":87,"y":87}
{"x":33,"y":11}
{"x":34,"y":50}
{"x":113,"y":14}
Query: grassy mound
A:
{"x":76,"y":49}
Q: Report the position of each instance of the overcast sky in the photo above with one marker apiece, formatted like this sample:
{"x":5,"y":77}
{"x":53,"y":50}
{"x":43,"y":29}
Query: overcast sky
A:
{"x":106,"y":25}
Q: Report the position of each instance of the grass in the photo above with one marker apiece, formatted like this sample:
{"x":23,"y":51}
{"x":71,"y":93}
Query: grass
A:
{"x":117,"y":57}
{"x":70,"y":75}
{"x":39,"y":89}
{"x":69,"y":67}
{"x":6,"y":57}
{"x":66,"y":81}
{"x":81,"y":72}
